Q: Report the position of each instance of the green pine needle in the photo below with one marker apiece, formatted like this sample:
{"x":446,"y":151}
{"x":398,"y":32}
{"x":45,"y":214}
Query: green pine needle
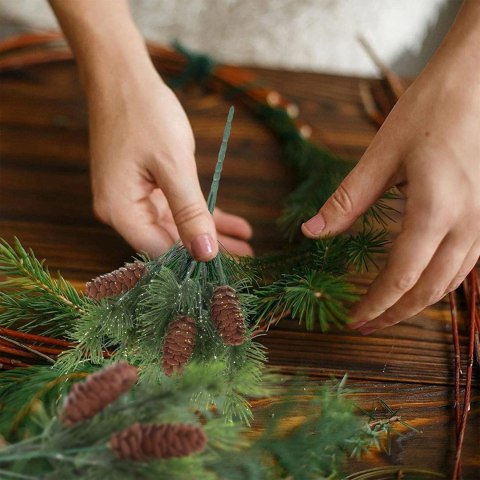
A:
{"x":317,"y":297}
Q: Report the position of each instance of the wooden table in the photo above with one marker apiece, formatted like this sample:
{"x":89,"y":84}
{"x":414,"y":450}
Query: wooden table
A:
{"x":45,"y":201}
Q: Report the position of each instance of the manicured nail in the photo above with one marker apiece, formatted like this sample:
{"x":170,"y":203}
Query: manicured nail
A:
{"x":315,"y":225}
{"x":202,"y":247}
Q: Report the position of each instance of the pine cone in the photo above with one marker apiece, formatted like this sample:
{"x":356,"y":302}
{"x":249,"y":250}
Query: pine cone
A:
{"x":98,"y":391}
{"x":142,"y":443}
{"x":227,"y":315}
{"x":116,"y":282}
{"x":178,"y":344}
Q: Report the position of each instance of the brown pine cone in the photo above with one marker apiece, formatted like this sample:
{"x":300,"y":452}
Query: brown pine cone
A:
{"x":178,"y":344}
{"x":142,"y":443}
{"x":227,"y":315}
{"x":99,"y":390}
{"x":116,"y":282}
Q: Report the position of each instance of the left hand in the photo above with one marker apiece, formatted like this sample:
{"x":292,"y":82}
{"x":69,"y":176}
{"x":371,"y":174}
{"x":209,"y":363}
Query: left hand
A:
{"x":429,"y":147}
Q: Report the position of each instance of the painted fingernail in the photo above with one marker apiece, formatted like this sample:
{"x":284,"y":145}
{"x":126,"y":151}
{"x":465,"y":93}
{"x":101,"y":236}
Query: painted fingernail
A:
{"x":315,"y":225}
{"x":202,"y":247}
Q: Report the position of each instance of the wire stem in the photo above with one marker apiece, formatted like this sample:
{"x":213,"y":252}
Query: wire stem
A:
{"x":212,"y":196}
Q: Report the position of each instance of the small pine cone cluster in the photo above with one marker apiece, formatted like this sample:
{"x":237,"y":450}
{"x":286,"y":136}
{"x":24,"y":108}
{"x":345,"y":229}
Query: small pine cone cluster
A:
{"x":178,"y":344}
{"x":116,"y":282}
{"x":143,"y":443}
{"x":227,"y":315}
{"x":90,"y":397}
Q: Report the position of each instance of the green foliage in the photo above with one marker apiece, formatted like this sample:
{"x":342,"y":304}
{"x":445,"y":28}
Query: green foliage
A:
{"x":27,"y":394}
{"x":315,"y":448}
{"x":317,"y":297}
{"x":30,"y":296}
{"x":362,"y":247}
{"x":318,"y":172}
{"x":133,"y":325}
{"x":378,"y":429}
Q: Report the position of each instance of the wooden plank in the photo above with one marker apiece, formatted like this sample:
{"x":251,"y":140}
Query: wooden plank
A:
{"x":45,"y":201}
{"x":428,"y":408}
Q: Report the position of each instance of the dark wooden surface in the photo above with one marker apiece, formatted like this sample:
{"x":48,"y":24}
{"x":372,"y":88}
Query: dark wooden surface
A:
{"x":45,"y":201}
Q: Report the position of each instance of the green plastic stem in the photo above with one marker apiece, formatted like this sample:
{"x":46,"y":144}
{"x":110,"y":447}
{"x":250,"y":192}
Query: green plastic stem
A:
{"x":212,"y":196}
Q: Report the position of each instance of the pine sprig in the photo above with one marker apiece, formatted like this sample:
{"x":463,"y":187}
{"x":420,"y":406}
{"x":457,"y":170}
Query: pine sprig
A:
{"x":27,"y":394}
{"x":363,"y":247}
{"x":317,"y":446}
{"x":31,"y":297}
{"x":317,"y":297}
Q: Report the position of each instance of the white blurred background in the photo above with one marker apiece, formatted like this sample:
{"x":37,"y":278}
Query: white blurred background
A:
{"x":318,"y":35}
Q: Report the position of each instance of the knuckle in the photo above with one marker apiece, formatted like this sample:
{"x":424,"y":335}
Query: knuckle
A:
{"x":457,"y":280}
{"x":435,"y":295}
{"x":454,"y":285}
{"x":188,"y":213}
{"x":406,"y":281}
{"x":342,"y":201}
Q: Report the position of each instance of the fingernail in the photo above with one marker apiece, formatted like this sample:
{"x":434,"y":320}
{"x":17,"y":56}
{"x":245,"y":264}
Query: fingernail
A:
{"x":355,"y":325}
{"x":315,"y":225}
{"x":367,"y":331}
{"x":202,"y":247}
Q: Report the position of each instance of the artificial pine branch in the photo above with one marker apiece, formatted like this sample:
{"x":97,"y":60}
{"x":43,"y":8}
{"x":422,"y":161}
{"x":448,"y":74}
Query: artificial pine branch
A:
{"x":31,"y":298}
{"x":317,"y":297}
{"x":135,"y":436}
{"x":362,"y":248}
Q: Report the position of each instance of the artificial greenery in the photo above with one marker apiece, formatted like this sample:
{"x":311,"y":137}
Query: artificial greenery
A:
{"x":315,"y":446}
{"x":132,"y":325}
{"x":309,"y":281}
{"x":30,"y":297}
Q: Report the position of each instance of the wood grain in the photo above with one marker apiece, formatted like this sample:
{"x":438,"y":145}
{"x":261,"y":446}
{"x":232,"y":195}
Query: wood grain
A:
{"x":45,"y":200}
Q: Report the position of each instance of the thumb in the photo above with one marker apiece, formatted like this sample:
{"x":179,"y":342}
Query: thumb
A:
{"x":190,"y":213}
{"x":359,"y":190}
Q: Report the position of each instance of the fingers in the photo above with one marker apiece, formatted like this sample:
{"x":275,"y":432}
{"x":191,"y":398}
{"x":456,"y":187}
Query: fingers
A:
{"x":137,"y":223}
{"x":194,"y":222}
{"x":232,"y":230}
{"x":361,"y":188}
{"x":235,"y":246}
{"x":232,"y":225}
{"x":431,"y":286}
{"x":467,"y":266}
{"x":410,"y":255}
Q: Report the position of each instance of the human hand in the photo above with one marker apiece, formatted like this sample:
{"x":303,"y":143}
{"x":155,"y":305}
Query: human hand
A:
{"x":144,"y":177}
{"x":429,"y":148}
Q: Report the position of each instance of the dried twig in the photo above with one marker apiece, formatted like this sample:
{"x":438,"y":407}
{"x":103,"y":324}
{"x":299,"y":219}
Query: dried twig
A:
{"x":468,"y":385}
{"x":456,"y":346}
{"x":394,"y":81}
{"x":28,"y":348}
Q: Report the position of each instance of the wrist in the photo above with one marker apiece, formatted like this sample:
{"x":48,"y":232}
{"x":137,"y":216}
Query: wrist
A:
{"x":105,"y":41}
{"x":456,"y":61}
{"x":114,"y":59}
